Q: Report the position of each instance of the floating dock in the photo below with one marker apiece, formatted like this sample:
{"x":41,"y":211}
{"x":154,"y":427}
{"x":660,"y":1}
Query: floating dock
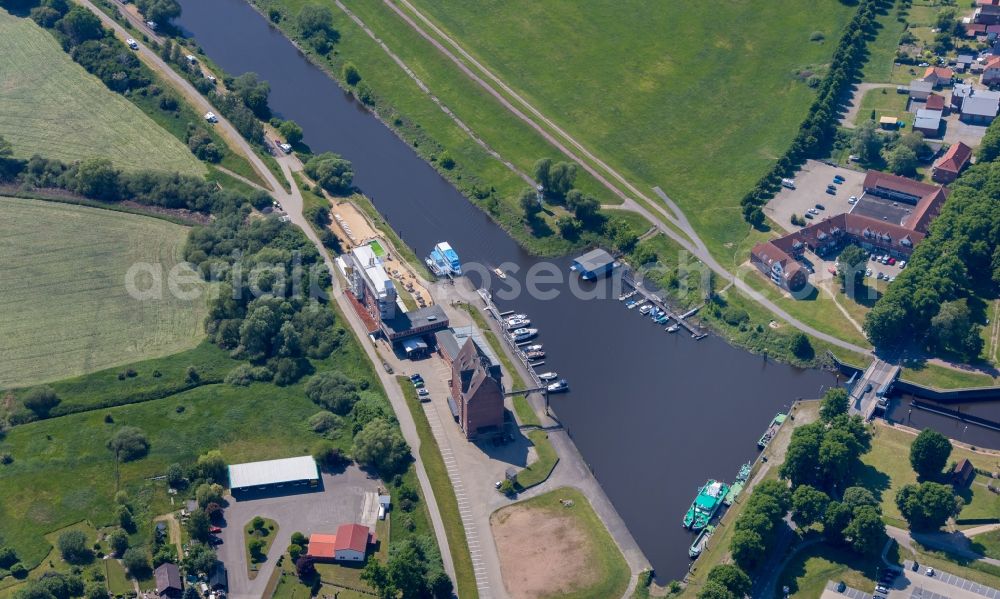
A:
{"x":647,"y":296}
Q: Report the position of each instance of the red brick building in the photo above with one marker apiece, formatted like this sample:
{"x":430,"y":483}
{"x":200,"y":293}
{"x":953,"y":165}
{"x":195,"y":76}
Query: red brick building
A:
{"x":476,"y":391}
{"x":947,"y":168}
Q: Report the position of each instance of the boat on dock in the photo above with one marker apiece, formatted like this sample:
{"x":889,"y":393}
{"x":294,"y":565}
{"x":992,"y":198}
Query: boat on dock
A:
{"x":548,"y":376}
{"x":662,"y":319}
{"x":645,"y":310}
{"x":625,"y":296}
{"x":534,"y":355}
{"x":701,"y":541}
{"x":744,"y":474}
{"x":511,"y":316}
{"x":631,"y":304}
{"x":517,"y":323}
{"x":558,"y":387}
{"x":672,"y":328}
{"x":443,"y":261}
{"x":705,"y":505}
{"x":523,"y":334}
{"x":535,"y":347}
{"x":772,"y":429}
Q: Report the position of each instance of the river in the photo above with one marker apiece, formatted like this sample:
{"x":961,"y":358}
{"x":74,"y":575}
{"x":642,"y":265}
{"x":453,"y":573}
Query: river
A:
{"x":653,"y":414}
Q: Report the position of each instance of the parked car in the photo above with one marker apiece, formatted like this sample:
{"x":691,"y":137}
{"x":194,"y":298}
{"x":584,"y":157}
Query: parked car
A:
{"x":841,"y":587}
{"x":132,"y":43}
{"x":215,"y":530}
{"x":211,"y":118}
{"x":929,"y":572}
{"x":830,"y":191}
{"x":892,"y":261}
{"x":868,"y":388}
{"x":873,"y":257}
{"x":415,"y":377}
{"x":418,"y":384}
{"x":902,"y":264}
{"x":881,"y":589}
{"x":820,"y":207}
{"x":809,"y":215}
{"x":852,"y":200}
{"x":868,"y":272}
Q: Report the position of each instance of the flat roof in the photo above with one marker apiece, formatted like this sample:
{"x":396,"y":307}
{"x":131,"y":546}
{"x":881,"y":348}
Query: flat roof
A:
{"x":416,"y":319}
{"x":594,"y":259}
{"x":371,"y":264}
{"x":981,"y":103}
{"x":272,"y":472}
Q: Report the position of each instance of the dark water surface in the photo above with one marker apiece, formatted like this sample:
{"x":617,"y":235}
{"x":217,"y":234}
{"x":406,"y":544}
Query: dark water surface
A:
{"x":654,"y":414}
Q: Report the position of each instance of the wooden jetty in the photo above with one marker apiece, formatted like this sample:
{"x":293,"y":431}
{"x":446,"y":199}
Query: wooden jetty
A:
{"x":655,"y":300}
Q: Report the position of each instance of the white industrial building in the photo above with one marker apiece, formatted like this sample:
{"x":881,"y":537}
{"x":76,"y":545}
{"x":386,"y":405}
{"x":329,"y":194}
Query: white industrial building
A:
{"x":273,"y":474}
{"x":369,"y":282}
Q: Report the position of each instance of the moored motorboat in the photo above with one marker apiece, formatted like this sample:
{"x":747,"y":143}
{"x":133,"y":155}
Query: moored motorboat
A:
{"x":534,"y":355}
{"x":500,"y":273}
{"x":517,"y":323}
{"x":705,"y":505}
{"x":535,"y":347}
{"x":523,"y":334}
{"x":701,"y":541}
{"x":548,"y":376}
{"x":645,"y":310}
{"x":673,"y":328}
{"x":558,"y":386}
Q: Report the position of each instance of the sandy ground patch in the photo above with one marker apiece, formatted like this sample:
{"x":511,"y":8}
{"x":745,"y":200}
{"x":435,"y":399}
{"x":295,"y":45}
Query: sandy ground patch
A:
{"x":542,"y":553}
{"x":352,"y":228}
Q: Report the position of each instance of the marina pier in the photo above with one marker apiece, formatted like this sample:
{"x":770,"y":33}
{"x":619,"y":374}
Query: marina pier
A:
{"x":680,"y":319}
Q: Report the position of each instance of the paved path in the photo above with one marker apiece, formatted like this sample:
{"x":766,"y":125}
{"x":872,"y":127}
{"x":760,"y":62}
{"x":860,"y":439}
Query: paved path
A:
{"x":956,"y":543}
{"x":854,"y":104}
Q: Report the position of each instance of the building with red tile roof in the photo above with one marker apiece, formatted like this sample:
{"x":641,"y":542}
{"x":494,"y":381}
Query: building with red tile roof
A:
{"x":350,"y":544}
{"x":991,"y":71}
{"x":947,"y":168}
{"x":778,"y":259}
{"x":322,"y":546}
{"x":938,"y":76}
{"x":935,"y":102}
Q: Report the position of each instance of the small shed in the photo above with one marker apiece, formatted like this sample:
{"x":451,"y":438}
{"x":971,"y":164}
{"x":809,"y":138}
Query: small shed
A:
{"x":595,"y":263}
{"x":888,"y":122}
{"x":963,"y":473}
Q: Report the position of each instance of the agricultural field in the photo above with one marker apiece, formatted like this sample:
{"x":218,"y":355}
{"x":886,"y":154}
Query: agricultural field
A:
{"x":64,"y":306}
{"x":54,"y":108}
{"x":698,"y":98}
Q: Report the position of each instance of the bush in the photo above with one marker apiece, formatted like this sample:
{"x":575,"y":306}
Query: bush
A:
{"x":74,"y":548}
{"x":244,"y":374}
{"x":18,"y":571}
{"x":129,"y":443}
{"x":8,"y":557}
{"x":331,"y":171}
{"x":350,"y":74}
{"x":136,"y":562}
{"x":41,"y":400}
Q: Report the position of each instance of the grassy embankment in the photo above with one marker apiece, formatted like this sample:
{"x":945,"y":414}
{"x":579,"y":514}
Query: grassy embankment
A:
{"x":604,"y":564}
{"x":444,"y":493}
{"x":66,"y":268}
{"x":54,"y":108}
{"x":693,"y":78}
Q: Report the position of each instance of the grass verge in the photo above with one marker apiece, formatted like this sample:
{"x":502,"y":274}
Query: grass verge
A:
{"x":265,"y":533}
{"x":444,"y":493}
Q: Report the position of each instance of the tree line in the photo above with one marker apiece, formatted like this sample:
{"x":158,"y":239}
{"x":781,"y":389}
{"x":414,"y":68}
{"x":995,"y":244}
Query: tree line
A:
{"x":935,"y":302}
{"x":819,"y":128}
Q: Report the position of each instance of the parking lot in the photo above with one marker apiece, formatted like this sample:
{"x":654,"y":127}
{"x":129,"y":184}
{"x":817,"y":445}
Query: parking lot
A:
{"x":916,"y":584}
{"x":810,"y":189}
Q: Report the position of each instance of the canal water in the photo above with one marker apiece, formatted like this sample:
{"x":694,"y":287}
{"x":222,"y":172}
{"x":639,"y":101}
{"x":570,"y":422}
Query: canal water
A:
{"x":653,"y":414}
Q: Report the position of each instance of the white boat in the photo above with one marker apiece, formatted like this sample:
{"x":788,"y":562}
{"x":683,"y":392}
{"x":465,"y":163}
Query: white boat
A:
{"x":523,"y":334}
{"x":558,"y":386}
{"x":535,"y":347}
{"x":500,"y":273}
{"x":673,"y":328}
{"x":513,"y":316}
{"x":548,"y":376}
{"x":645,"y":309}
{"x":517,"y":323}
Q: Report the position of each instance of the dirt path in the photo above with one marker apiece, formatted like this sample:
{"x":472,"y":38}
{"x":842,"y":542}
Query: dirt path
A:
{"x":173,"y":529}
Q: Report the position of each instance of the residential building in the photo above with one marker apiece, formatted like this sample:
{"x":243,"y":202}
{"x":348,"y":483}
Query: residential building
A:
{"x":964,"y":61}
{"x":777,"y":264}
{"x":919,"y":90}
{"x":975,"y":29}
{"x":947,"y":168}
{"x":987,"y":14}
{"x":476,"y":393}
{"x":991,"y":71}
{"x":928,"y":122}
{"x":980,"y":107}
{"x":350,"y":544}
{"x":959,"y":93}
{"x":778,"y":258}
{"x":168,"y":580}
{"x":370,"y":283}
{"x":938,"y":76}
{"x":934,"y":102}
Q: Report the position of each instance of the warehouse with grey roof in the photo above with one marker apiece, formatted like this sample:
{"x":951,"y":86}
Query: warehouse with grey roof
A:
{"x":273,"y":474}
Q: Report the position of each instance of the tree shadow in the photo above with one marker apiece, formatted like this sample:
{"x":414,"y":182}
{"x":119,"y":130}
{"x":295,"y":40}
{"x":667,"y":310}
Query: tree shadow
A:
{"x":874,"y":480}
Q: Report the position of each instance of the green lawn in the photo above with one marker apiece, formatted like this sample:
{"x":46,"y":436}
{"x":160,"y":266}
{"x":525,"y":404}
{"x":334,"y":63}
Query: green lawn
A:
{"x":808,"y":572}
{"x":65,"y":308}
{"x":539,"y":470}
{"x":605,"y":557}
{"x":888,"y":469}
{"x":885,"y":102}
{"x":882,"y":50}
{"x":988,"y":543}
{"x":53,"y":107}
{"x":940,"y":377}
{"x":62,"y":472}
{"x":444,"y":493}
{"x":661,"y":94}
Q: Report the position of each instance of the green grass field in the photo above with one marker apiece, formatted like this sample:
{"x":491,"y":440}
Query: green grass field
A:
{"x":53,"y":107}
{"x":64,"y":307}
{"x":698,"y":98}
{"x":808,"y":572}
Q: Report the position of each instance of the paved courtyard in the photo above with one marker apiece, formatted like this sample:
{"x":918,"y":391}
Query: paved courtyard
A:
{"x":345,"y":498}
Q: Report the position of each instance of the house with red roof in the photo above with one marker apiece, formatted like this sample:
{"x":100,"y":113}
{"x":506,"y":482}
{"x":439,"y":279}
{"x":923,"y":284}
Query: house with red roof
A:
{"x":935,"y":102}
{"x":938,"y":76}
{"x":991,"y":71}
{"x":350,"y":544}
{"x":947,"y":168}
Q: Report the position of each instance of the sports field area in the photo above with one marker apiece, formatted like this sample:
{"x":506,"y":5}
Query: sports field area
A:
{"x":53,"y":107}
{"x":697,"y":98}
{"x":64,"y":307}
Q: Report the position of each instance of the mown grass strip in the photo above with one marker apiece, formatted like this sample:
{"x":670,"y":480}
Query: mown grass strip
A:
{"x":444,"y":494}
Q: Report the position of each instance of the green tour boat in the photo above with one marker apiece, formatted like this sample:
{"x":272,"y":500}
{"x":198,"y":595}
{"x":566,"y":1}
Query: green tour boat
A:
{"x":705,"y":505}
